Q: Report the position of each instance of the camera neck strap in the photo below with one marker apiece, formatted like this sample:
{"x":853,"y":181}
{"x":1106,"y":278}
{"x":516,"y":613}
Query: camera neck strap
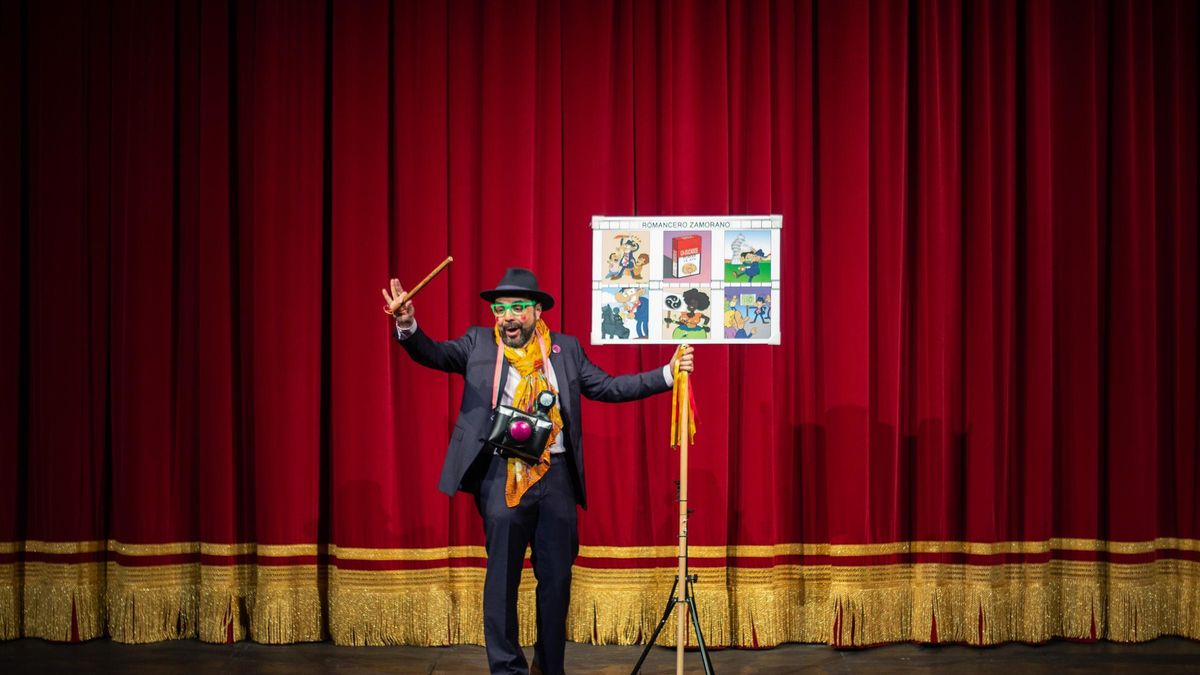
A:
{"x":500,"y":374}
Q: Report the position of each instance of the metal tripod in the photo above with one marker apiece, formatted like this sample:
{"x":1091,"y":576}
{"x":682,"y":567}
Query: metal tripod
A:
{"x":690,"y":607}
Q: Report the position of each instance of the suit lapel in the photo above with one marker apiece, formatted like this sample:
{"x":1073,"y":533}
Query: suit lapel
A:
{"x":564,"y":380}
{"x":488,"y":371}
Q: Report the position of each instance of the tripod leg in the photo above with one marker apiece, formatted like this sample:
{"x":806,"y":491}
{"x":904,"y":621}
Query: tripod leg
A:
{"x":691,"y":599}
{"x":662,"y":622}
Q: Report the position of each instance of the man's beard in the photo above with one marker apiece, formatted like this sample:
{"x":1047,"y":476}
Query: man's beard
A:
{"x":521,"y":339}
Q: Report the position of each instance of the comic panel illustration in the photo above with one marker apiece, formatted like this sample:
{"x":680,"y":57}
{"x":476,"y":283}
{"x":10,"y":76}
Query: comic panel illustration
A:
{"x":747,"y":313}
{"x":626,"y":256}
{"x":747,"y":256}
{"x":625,"y":313}
{"x":685,"y":256}
{"x":687,"y":313}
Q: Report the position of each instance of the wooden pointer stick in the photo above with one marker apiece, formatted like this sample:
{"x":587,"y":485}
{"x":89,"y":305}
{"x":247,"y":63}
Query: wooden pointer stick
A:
{"x":681,"y":589}
{"x":409,"y":295}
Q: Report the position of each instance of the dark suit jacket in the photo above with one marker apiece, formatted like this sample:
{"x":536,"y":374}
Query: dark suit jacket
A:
{"x":474,"y":357}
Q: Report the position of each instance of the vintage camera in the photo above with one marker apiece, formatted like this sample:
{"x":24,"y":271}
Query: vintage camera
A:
{"x":520,"y":434}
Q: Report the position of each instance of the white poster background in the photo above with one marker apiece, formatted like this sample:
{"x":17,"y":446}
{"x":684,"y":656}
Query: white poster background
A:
{"x":740,"y":309}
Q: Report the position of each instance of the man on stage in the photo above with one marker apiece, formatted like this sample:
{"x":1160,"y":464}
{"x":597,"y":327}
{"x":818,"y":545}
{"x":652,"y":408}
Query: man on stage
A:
{"x":510,"y":364}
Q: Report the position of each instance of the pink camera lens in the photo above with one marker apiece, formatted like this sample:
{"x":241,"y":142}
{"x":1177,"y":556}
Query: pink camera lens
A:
{"x":520,"y":431}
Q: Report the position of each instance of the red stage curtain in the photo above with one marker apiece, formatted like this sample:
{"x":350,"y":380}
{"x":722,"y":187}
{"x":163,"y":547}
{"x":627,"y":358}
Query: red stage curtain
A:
{"x":981,"y":426}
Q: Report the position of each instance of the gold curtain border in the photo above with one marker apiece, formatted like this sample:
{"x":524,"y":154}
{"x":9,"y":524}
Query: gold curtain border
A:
{"x":843,"y":605}
{"x":764,"y":607}
{"x":166,"y":548}
{"x":11,"y":600}
{"x":616,"y":552}
{"x":54,"y":594}
{"x":207,"y":548}
{"x":895,"y":548}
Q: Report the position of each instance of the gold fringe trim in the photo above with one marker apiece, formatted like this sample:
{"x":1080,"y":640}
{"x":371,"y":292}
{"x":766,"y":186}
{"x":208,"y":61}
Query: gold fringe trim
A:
{"x":151,"y":604}
{"x":287,"y":604}
{"x":1181,"y":601}
{"x":386,"y":608}
{"x":617,"y":610}
{"x":780,"y":604}
{"x":436,"y":607}
{"x":54,"y":594}
{"x":763,"y":607}
{"x":273,"y":605}
{"x":223,"y":613}
{"x":10,"y":601}
{"x":623,"y":606}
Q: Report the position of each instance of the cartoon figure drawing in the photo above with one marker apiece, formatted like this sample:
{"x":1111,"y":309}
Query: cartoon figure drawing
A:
{"x":626,"y":260}
{"x":692,"y":323}
{"x":745,"y":308}
{"x":735,"y":322}
{"x":748,"y":258}
{"x":636,"y":307}
{"x":642,"y":261}
{"x":762,"y":309}
{"x":614,"y":265}
{"x":749,"y":267}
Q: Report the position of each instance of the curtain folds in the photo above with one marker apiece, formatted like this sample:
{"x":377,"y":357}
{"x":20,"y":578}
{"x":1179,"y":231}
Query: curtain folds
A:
{"x":982,"y":424}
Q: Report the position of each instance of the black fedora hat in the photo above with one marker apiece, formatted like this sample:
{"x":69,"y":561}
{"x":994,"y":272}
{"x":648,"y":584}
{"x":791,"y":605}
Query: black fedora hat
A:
{"x":519,"y":282}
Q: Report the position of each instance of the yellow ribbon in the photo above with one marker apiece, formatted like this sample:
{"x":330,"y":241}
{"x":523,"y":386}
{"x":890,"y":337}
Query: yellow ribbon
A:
{"x":680,"y":395}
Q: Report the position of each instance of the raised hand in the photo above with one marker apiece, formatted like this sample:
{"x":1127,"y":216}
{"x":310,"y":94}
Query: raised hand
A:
{"x":397,"y":303}
{"x":684,"y":356}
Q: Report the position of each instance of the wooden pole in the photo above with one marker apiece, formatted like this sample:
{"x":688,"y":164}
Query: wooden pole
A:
{"x":429,"y":277}
{"x":681,"y":592}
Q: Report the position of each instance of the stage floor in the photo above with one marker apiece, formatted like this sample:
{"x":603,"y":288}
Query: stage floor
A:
{"x":191,"y":657}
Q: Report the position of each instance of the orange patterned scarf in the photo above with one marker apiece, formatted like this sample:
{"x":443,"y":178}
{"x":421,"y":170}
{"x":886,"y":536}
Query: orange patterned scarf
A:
{"x":528,"y":362}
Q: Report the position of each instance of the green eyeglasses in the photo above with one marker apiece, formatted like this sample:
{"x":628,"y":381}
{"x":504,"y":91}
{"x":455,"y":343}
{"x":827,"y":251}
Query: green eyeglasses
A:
{"x":519,"y":307}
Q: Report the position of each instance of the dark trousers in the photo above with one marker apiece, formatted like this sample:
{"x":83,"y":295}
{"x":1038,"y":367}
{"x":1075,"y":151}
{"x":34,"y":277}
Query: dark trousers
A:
{"x":546,"y":519}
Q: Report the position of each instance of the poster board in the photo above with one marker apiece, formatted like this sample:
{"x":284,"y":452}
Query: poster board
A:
{"x":693,"y":279}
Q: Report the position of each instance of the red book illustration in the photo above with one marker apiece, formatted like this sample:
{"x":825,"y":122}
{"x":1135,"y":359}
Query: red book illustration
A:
{"x":685,"y":256}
